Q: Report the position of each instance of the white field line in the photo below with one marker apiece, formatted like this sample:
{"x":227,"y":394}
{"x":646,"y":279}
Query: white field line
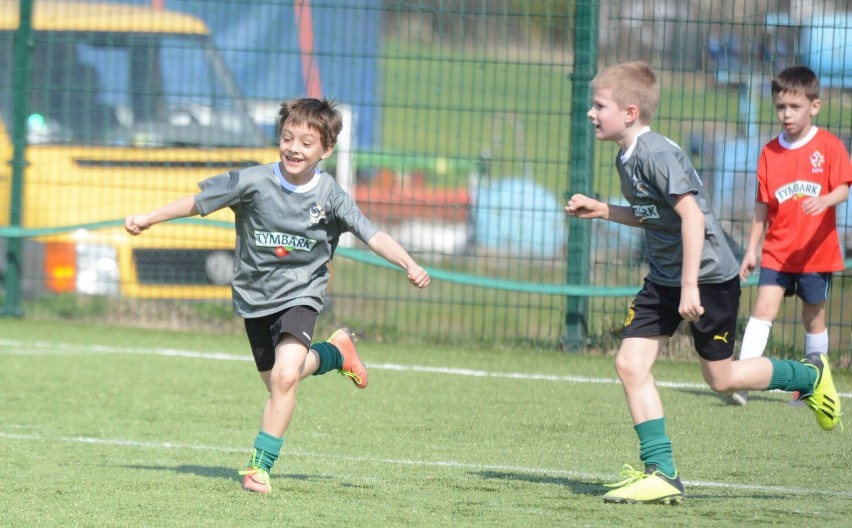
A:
{"x":13,"y":347}
{"x":452,"y":464}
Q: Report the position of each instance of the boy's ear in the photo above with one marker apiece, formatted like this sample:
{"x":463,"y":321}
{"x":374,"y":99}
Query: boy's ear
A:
{"x":327,"y":153}
{"x":631,"y":113}
{"x":815,"y":106}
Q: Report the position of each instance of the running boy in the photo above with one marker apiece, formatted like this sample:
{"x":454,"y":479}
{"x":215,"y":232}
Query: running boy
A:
{"x":693,"y":275}
{"x":801,"y":176}
{"x":289,"y":218}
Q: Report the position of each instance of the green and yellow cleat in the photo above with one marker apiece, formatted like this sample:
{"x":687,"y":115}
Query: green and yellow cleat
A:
{"x":823,"y":400}
{"x":645,"y":487}
{"x":257,"y":480}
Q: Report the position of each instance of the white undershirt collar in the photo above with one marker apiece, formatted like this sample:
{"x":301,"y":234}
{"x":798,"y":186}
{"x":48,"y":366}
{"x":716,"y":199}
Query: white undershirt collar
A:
{"x":627,"y":153}
{"x":800,"y":143}
{"x":301,"y":189}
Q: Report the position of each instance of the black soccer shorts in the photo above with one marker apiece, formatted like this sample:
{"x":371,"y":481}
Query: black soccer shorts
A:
{"x":654,"y":312}
{"x":264,"y":333}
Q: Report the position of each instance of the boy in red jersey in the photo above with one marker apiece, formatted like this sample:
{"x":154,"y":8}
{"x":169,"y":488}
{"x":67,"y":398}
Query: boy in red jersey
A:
{"x":802,"y":175}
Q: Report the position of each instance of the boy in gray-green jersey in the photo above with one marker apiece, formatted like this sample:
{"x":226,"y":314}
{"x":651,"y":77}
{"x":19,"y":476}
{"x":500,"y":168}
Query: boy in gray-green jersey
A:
{"x":289,"y":217}
{"x":281,"y":258}
{"x":692,"y":275}
{"x":660,"y":162}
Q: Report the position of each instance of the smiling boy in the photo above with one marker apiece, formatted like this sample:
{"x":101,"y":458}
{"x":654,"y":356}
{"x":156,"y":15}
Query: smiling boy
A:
{"x":289,"y":216}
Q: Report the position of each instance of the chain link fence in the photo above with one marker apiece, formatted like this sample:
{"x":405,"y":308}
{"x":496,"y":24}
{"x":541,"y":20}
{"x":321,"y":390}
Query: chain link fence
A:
{"x":463,"y":121}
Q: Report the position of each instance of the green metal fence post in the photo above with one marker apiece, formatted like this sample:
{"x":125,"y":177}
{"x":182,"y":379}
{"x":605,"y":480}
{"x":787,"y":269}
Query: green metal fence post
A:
{"x":14,"y":256}
{"x":581,"y":165}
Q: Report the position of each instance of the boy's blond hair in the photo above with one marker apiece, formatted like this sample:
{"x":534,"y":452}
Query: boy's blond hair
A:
{"x":631,"y":83}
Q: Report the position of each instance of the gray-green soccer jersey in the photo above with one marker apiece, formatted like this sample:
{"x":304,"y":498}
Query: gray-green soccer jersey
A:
{"x":654,"y":171}
{"x":286,"y":235}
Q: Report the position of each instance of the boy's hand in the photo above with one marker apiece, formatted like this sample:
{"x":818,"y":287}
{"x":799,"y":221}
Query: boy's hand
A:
{"x":135,"y":224}
{"x":748,"y":264}
{"x":690,"y":304}
{"x":815,"y":205}
{"x":581,"y":206}
{"x":418,"y":276}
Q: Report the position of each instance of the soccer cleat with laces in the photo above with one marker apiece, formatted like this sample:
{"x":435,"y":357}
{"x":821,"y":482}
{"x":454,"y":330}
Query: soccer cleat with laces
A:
{"x":352,"y":367}
{"x":256,"y":479}
{"x":645,"y":487}
{"x":823,"y":399}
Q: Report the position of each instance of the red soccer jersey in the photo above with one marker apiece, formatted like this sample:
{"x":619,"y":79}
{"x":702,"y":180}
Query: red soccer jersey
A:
{"x":786,"y":175}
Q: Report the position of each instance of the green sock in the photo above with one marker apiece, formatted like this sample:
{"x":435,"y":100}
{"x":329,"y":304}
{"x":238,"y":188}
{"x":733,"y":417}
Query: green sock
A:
{"x":266,"y":450}
{"x":654,"y":446}
{"x":789,"y":375}
{"x":329,"y":357}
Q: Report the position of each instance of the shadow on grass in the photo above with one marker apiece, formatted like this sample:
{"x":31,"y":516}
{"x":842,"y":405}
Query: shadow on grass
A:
{"x":577,"y":487}
{"x":722,"y":399}
{"x":731,"y":496}
{"x":221,"y":472}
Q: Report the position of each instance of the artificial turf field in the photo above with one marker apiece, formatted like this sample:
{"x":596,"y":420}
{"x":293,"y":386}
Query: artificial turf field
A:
{"x":106,"y":426}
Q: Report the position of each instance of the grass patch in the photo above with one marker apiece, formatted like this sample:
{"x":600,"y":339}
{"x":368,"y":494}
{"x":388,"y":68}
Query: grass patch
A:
{"x":125,"y":427}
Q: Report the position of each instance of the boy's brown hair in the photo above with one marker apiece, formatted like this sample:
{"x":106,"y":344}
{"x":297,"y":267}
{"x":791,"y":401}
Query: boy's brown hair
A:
{"x":631,"y":83}
{"x":320,"y":114}
{"x":797,"y":80}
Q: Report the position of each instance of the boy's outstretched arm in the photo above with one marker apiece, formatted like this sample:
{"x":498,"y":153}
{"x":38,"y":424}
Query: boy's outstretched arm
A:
{"x":180,"y":208}
{"x":581,"y":206}
{"x":386,"y":247}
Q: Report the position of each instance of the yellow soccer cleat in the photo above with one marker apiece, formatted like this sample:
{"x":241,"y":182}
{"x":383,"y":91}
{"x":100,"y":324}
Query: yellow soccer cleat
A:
{"x":645,"y":487}
{"x":823,"y":400}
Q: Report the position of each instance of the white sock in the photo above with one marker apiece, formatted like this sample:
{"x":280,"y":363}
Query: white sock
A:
{"x":816,"y":343}
{"x":755,"y":337}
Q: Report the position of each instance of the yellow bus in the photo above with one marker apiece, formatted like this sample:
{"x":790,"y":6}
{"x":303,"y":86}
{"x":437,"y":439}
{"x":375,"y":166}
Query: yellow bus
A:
{"x":128,"y":108}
